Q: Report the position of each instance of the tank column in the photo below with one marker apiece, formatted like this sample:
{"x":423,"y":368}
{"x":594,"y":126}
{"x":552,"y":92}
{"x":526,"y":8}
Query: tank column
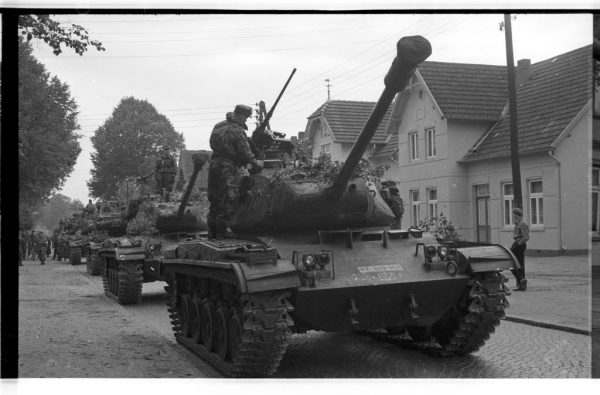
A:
{"x":410,"y":52}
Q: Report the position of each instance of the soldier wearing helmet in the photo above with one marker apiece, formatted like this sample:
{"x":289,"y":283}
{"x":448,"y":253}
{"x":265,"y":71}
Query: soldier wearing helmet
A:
{"x":231,"y":151}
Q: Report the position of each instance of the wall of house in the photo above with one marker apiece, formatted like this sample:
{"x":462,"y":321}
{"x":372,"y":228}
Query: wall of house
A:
{"x":453,"y":139}
{"x":573,"y":154}
{"x":322,"y":135}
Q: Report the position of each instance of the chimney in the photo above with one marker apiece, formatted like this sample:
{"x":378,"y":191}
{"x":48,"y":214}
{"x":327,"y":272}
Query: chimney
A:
{"x":523,"y":71}
{"x":301,"y":135}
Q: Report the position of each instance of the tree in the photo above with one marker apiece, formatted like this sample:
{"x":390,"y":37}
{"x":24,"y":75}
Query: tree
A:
{"x":53,"y":34}
{"x":128,"y":144}
{"x":58,"y":206}
{"x":48,"y":146}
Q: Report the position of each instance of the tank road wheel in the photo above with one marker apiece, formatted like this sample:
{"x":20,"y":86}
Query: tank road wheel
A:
{"x":196,"y":308}
{"x":468,"y":326}
{"x":207,"y":324}
{"x":221,"y":327}
{"x":75,"y":256}
{"x":184,"y":314}
{"x":234,"y":332}
{"x":105,"y":275}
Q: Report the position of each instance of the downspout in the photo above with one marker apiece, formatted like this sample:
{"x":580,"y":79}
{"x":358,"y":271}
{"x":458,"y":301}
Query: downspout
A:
{"x":560,"y":237}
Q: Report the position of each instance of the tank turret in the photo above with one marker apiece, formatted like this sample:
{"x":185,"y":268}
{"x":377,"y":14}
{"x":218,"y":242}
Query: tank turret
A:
{"x":294,"y":201}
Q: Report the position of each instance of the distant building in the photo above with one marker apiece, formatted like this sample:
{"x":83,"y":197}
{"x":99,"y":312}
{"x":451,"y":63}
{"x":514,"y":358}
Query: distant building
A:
{"x":185,"y":168}
{"x":335,"y":125}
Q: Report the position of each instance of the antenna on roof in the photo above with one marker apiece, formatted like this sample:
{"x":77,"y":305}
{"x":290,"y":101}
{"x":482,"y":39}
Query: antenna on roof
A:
{"x":328,"y":85}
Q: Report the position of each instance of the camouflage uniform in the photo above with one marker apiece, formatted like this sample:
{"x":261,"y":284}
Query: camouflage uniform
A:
{"x":165,"y":173}
{"x":391,"y":195}
{"x":40,"y":246}
{"x":230,"y":151}
{"x":90,"y":209}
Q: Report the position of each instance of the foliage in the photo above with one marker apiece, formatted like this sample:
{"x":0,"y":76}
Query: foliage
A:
{"x":441,"y":228}
{"x":58,"y":206}
{"x":52,"y":33}
{"x":303,"y":148}
{"x":323,"y":168}
{"x":48,"y":146}
{"x":128,"y":144}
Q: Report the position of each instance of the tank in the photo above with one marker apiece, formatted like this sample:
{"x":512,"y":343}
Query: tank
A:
{"x":134,"y":257}
{"x":322,"y":256}
{"x":76,"y":231}
{"x":107,"y":222}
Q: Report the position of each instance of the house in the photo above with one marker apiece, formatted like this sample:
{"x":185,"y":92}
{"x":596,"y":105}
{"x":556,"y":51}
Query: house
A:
{"x":335,"y":125}
{"x":185,"y":168}
{"x":451,"y":149}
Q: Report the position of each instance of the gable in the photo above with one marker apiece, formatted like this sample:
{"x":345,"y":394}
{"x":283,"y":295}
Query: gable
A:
{"x":346,"y":120}
{"x":466,"y":91}
{"x":186,"y":168}
{"x":547,"y":103}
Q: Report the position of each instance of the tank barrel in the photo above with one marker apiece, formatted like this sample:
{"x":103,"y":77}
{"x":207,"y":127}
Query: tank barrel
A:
{"x":411,"y":51}
{"x":199,"y":161}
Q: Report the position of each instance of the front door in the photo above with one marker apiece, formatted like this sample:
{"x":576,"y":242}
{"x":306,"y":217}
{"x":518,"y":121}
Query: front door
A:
{"x":482,"y":209}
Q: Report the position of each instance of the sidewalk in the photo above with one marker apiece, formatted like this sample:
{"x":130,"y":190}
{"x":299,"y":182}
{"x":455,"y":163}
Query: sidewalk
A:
{"x":558,"y":293}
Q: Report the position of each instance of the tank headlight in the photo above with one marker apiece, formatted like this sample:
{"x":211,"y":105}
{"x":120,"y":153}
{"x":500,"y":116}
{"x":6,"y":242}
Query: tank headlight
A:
{"x":430,"y":251}
{"x":309,"y":261}
{"x":442,"y":252}
{"x":122,"y":256}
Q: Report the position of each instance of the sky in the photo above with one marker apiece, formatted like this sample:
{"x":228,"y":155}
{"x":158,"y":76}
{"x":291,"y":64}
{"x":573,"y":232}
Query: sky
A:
{"x":196,"y":68}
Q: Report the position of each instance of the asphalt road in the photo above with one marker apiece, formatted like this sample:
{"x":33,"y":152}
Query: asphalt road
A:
{"x":514,"y":350}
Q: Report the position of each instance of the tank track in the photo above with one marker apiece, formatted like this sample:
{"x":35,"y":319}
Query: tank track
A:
{"x":466,"y":328}
{"x":265,"y":322}
{"x":75,"y":257}
{"x":124,"y":284}
{"x":94,"y":264}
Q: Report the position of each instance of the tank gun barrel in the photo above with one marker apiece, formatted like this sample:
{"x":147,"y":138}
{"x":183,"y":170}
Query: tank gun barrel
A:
{"x":199,"y":161}
{"x":411,"y":51}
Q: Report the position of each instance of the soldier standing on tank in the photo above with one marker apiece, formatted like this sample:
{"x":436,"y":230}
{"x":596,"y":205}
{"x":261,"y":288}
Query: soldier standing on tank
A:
{"x":89,"y":209}
{"x":391,"y":195}
{"x":231,"y":151}
{"x":165,"y":172}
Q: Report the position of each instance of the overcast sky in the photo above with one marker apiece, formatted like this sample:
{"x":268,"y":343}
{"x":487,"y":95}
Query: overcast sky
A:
{"x":195,"y":68}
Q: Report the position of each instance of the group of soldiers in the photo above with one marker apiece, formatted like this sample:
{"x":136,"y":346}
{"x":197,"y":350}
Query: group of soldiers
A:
{"x":36,"y":245}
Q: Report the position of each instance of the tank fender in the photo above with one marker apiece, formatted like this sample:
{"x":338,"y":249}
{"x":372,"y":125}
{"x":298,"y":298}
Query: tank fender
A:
{"x":267,"y":277}
{"x":490,"y":258}
{"x":125,"y":254}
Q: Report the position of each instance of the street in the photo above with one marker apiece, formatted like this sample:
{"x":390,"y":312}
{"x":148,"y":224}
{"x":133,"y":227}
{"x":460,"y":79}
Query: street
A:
{"x":69,"y":328}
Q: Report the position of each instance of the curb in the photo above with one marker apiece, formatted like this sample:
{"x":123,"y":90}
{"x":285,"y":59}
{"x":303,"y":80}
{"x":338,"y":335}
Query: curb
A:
{"x":546,"y":325}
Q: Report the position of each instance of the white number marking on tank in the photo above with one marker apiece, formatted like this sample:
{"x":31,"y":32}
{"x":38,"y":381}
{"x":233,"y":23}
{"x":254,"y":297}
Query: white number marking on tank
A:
{"x":380,"y":268}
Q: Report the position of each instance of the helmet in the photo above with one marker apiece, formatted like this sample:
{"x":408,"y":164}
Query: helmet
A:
{"x":242,"y":109}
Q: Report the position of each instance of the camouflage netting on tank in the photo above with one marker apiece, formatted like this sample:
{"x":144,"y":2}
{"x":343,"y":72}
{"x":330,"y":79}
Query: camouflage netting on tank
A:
{"x":323,"y":168}
{"x":160,"y":217}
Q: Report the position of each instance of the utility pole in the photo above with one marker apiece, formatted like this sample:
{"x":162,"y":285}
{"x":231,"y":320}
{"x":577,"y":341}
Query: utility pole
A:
{"x":512,"y":107}
{"x":328,"y":85}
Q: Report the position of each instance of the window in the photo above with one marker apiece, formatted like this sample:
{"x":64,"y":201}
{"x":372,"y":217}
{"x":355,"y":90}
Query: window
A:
{"x":508,"y":199}
{"x":414,"y":205}
{"x":595,"y":195}
{"x":536,"y":203}
{"x":413,"y":143}
{"x":432,"y":208}
{"x":326,"y":149}
{"x":431,"y":150}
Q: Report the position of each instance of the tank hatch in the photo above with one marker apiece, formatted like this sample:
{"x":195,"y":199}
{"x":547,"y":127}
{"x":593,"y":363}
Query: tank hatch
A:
{"x":229,"y":250}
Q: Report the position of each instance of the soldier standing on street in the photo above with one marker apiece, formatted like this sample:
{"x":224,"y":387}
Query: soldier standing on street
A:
{"x":40,"y":246}
{"x":231,"y":150}
{"x":520,"y":237}
{"x":55,"y":244}
{"x":31,"y":246}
